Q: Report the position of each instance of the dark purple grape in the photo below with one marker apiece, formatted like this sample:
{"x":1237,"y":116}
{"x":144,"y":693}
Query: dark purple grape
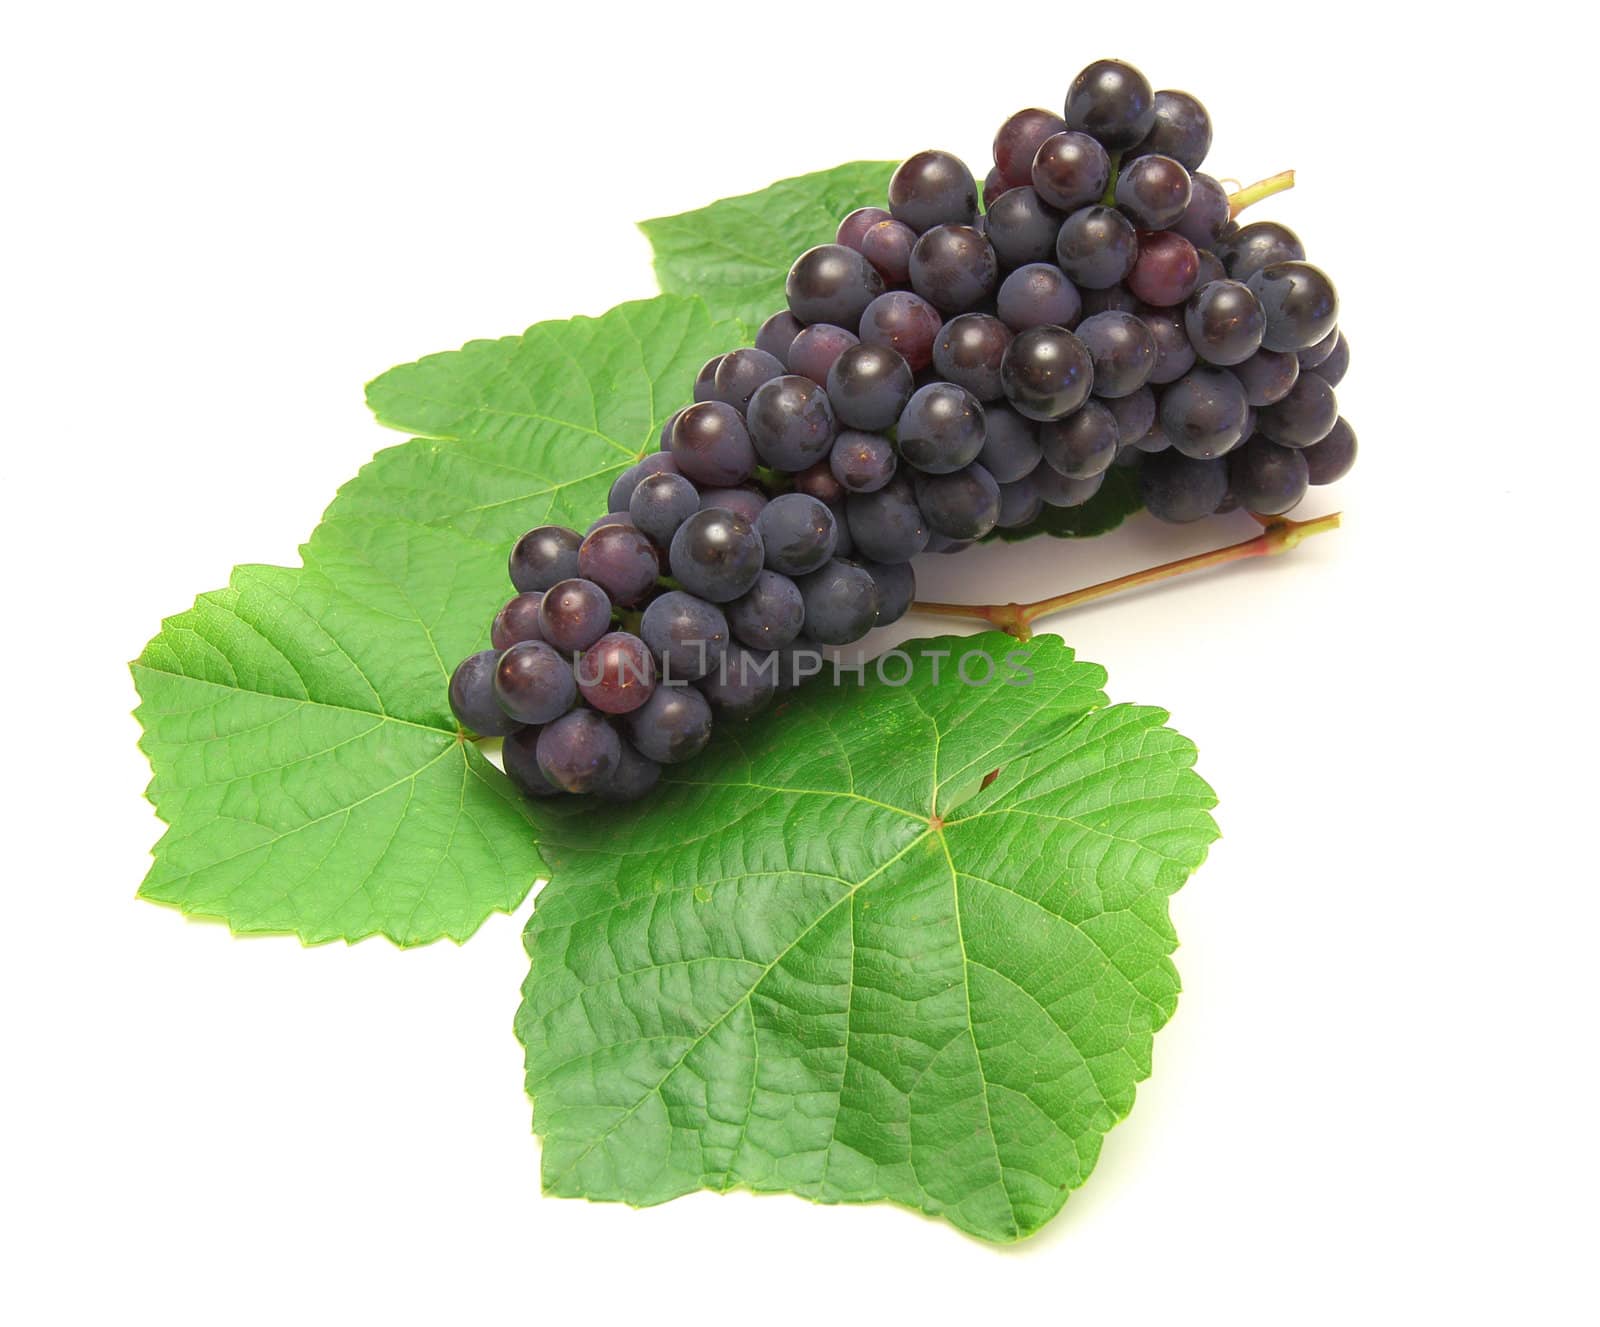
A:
{"x":1267,"y":376}
{"x":472,"y":698}
{"x":954,"y":268}
{"x":853,"y":229}
{"x":1210,"y":268}
{"x":635,"y":777}
{"x":819,"y":483}
{"x":887,"y":246}
{"x":1174,"y":355}
{"x":1020,"y":504}
{"x":1265,"y":478}
{"x":1113,"y":299}
{"x":533,"y":684}
{"x":616,"y":674}
{"x":746,"y":502}
{"x":1022,"y":228}
{"x":518,"y":620}
{"x":1056,"y":490}
{"x":1154,"y":191}
{"x":657,"y":463}
{"x":1069,"y":171}
{"x":1204,"y":412}
{"x":665,"y":443}
{"x":622,"y":561}
{"x":1300,"y":304}
{"x":940,"y":430}
{"x":1017,"y":143}
{"x":1305,"y":415}
{"x":798,"y":534}
{"x":1113,"y":102}
{"x":1046,"y":373}
{"x":1204,"y":220}
{"x":861,"y":462}
{"x":1331,"y":458}
{"x":1010,"y":443}
{"x":705,"y":380}
{"x":815,"y":349}
{"x":777,"y":334}
{"x":610,"y":518}
{"x":933,"y":189}
{"x":1313,"y":356}
{"x":674,"y":725}
{"x":660,"y":504}
{"x":841,"y":602}
{"x":1182,"y":129}
{"x":963,"y":505}
{"x":769,"y":613}
{"x":716,"y":555}
{"x":579,"y":752}
{"x":1224,"y":323}
{"x":517,"y":754}
{"x":1097,"y":247}
{"x":1083,"y":444}
{"x":1179,"y":488}
{"x":544,"y":556}
{"x":740,"y":373}
{"x":831,"y":284}
{"x":994,"y":184}
{"x":791,"y":423}
{"x":1123,"y":350}
{"x":869,"y":387}
{"x":887,"y":526}
{"x":1038,"y":295}
{"x":742,"y":684}
{"x":1333,"y":369}
{"x":712,"y":446}
{"x":686,"y":635}
{"x":574,"y":614}
{"x":1135,"y":415}
{"x":1165,"y":269}
{"x":897,"y":588}
{"x":906,"y":323}
{"x":1247,"y":250}
{"x":968,"y":352}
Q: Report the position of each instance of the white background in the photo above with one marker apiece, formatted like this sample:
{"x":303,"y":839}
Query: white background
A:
{"x":1377,"y":1095}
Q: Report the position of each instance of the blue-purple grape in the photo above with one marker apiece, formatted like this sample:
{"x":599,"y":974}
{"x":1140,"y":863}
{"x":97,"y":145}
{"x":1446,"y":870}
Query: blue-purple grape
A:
{"x":1083,"y":444}
{"x":1179,"y":488}
{"x":660,"y":504}
{"x":472,"y":698}
{"x":687,"y":635}
{"x":831,"y":284}
{"x":841,"y":602}
{"x":887,"y":525}
{"x":518,"y":620}
{"x":674,"y":725}
{"x":869,"y":387}
{"x":954,"y":268}
{"x":579,"y":751}
{"x":712,"y":446}
{"x":798,"y":534}
{"x":931,"y":189}
{"x":716,"y":555}
{"x":962,"y":505}
{"x":1010,"y":443}
{"x":534,"y":684}
{"x":968,"y":352}
{"x":1046,"y":373}
{"x":941,"y":429}
{"x":622,"y":561}
{"x":574,"y":614}
{"x":1038,"y":295}
{"x":1265,"y":478}
{"x":862,"y":462}
{"x":544,"y":556}
{"x":791,"y":423}
{"x":1331,"y":459}
{"x":768,"y":614}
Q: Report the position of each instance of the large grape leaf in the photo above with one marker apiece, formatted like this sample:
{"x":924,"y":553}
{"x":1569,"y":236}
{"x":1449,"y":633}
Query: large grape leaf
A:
{"x":304,"y":757}
{"x":905,"y":943}
{"x":736,"y":252}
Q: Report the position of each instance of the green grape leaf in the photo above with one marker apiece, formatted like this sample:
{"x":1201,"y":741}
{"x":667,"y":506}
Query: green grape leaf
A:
{"x":735,"y":253}
{"x":1117,"y":500}
{"x":304,"y":756}
{"x":903,"y":943}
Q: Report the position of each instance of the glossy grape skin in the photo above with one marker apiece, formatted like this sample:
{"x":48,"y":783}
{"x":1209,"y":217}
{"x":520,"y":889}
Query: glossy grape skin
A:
{"x":791,"y":423}
{"x":831,"y":284}
{"x":1265,"y":478}
{"x":1038,"y":295}
{"x":887,"y":246}
{"x":610,"y":518}
{"x":1113,"y":299}
{"x":1017,"y":142}
{"x":665,"y":442}
{"x":1182,"y":129}
{"x":674,"y":725}
{"x":657,"y":463}
{"x":906,"y":323}
{"x":887,"y":526}
{"x":818,"y":482}
{"x":869,"y":387}
{"x":777,"y":334}
{"x":634,"y":778}
{"x":579,"y":751}
{"x":1010,"y":444}
{"x":1174,"y":355}
{"x":798,"y":534}
{"x":1020,"y":504}
{"x":1204,"y":412}
{"x":1135,"y":414}
{"x":897,"y":588}
{"x":1224,"y":322}
{"x":1070,"y":170}
{"x":1097,"y":247}
{"x":1210,"y":269}
{"x":1083,"y":444}
{"x":622,"y":561}
{"x":941,"y":429}
{"x":745,"y":501}
{"x":660,"y":504}
{"x":862,"y":462}
{"x":1300,"y":304}
{"x":963,"y":505}
{"x":1267,"y":376}
{"x":768,"y":614}
{"x":517,"y":754}
{"x":853,"y":229}
{"x":1154,"y":191}
{"x":1206,"y":217}
{"x":705,"y":380}
{"x":1179,"y":488}
{"x":816,"y":348}
{"x":742,"y":685}
{"x":1166,"y":269}
{"x":1123,"y":351}
{"x":1331,"y":458}
{"x":716,"y":555}
{"x":518,"y":620}
{"x":1255,"y":246}
{"x":1333,"y":369}
{"x":933,"y":189}
{"x":841,"y":603}
{"x":994,"y":184}
{"x":617,"y":673}
{"x":1313,"y":356}
{"x":1056,"y":490}
{"x":687,"y":635}
{"x":740,"y":372}
{"x":574,"y":614}
{"x":472,"y":697}
{"x":968,"y":352}
{"x":1111,"y":101}
{"x":1304,"y":416}
{"x":712,"y":446}
{"x":1022,"y":228}
{"x":1046,"y":373}
{"x":544,"y":556}
{"x":954,"y":268}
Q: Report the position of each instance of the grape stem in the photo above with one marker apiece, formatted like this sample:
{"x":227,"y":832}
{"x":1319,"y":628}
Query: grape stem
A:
{"x":1254,"y":193}
{"x":1278,"y":535}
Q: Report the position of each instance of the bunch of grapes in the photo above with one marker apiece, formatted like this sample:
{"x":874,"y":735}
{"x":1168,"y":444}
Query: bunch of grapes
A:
{"x":940,"y":371}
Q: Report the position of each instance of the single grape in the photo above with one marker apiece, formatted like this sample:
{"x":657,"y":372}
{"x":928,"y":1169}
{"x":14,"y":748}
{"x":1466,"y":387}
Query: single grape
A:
{"x":887,"y":526}
{"x":1174,"y":355}
{"x":1113,"y":102}
{"x":1204,"y":412}
{"x":1261,"y":244}
{"x":1224,"y":322}
{"x":517,"y":754}
{"x":1265,"y":478}
{"x":1267,"y":376}
{"x":1113,"y":299}
{"x":1204,"y":220}
{"x":657,"y":463}
{"x":740,"y":373}
{"x":769,"y":613}
{"x":1097,"y":247}
{"x":798,"y":534}
{"x":815,"y":349}
{"x":777,"y":334}
{"x":705,"y":381}
{"x":1166,"y":269}
{"x":1056,"y":490}
{"x":711,"y":445}
{"x":791,"y":423}
{"x":1038,"y":295}
{"x":1046,"y":373}
{"x":897,"y":587}
{"x":622,"y":561}
{"x":831,"y":284}
{"x":1333,"y":369}
{"x":887,"y":246}
{"x":716,"y":555}
{"x":954,"y":268}
{"x":963,"y":505}
{"x":1305,"y":415}
{"x":660,"y":504}
{"x":1179,"y":488}
{"x":841,"y":602}
{"x":616,"y":674}
{"x":861,"y":462}
{"x":853,"y":229}
{"x":610,"y":518}
{"x":1154,"y":191}
{"x":1313,"y":356}
{"x":544,"y":556}
{"x":1020,"y":504}
{"x":1182,"y":129}
{"x":742,"y":684}
{"x":518,"y":620}
{"x":472,"y":698}
{"x":579,"y":752}
{"x":1069,"y":171}
{"x":665,"y":443}
{"x":1123,"y":350}
{"x":994,"y":184}
{"x":932,"y":189}
{"x":1300,"y":304}
{"x":674,"y":725}
{"x":745,"y":501}
{"x":1083,"y":444}
{"x":869,"y":387}
{"x":819,"y":483}
{"x":1017,"y":142}
{"x":1331,"y":458}
{"x":687,"y":635}
{"x":906,"y":323}
{"x":968,"y":352}
{"x":1135,"y":414}
{"x":635,"y":777}
{"x":1022,"y":228}
{"x":574,"y":614}
{"x":1010,"y":443}
{"x":940,"y":430}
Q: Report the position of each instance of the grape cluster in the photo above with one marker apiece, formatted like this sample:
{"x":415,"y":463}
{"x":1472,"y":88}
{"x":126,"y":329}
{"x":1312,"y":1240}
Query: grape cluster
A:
{"x":940,"y":371}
